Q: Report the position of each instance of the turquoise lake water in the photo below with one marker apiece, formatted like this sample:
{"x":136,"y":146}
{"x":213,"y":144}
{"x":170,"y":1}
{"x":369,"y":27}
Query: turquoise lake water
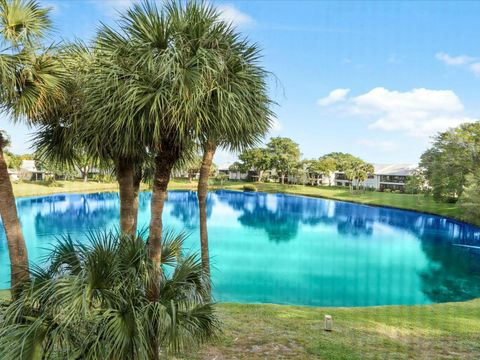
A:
{"x":277,"y":248}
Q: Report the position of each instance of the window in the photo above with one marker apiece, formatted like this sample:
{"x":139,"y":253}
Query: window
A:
{"x":393,"y":178}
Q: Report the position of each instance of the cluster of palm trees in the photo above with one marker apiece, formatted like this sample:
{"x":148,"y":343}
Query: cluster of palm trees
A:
{"x":146,"y":96}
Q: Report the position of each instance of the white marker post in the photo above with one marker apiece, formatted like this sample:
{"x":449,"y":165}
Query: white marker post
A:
{"x":328,"y":323}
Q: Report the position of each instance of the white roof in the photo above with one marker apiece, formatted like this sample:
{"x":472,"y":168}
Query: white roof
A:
{"x":394,"y":169}
{"x":28,"y":165}
{"x":224,"y":166}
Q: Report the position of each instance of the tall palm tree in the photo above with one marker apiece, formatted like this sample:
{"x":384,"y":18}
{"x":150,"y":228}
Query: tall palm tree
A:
{"x":28,"y":76}
{"x":238,"y":109}
{"x":148,"y":89}
{"x":69,"y":134}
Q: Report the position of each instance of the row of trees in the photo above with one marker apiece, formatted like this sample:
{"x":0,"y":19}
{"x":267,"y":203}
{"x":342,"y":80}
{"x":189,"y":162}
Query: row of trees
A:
{"x":282,"y":157}
{"x":146,"y":96}
{"x":451,"y":168}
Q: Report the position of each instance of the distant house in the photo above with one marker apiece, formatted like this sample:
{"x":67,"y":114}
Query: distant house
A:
{"x":233,"y":175}
{"x":385,"y":176}
{"x":28,"y":171}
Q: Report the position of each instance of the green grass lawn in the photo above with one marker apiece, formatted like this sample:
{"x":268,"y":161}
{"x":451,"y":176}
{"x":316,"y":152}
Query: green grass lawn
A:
{"x":443,"y":331}
{"x":33,"y":188}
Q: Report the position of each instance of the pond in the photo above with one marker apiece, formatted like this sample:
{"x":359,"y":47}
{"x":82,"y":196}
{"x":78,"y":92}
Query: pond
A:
{"x":277,"y":248}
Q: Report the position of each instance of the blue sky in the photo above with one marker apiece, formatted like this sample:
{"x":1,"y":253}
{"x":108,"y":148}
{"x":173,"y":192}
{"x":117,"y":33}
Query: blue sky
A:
{"x":374,"y":79}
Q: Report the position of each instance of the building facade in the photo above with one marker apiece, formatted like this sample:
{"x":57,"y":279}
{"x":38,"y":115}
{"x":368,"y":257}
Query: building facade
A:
{"x":386,"y":176}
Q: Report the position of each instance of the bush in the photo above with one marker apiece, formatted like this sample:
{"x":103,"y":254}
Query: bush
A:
{"x":92,"y":302}
{"x":387,"y":190}
{"x":50,"y":182}
{"x":249,"y":187}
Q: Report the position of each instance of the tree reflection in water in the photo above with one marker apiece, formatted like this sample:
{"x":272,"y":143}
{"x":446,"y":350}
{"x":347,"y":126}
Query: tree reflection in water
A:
{"x":443,"y":272}
{"x":452,"y":273}
{"x":281,"y":216}
{"x":185,"y":207}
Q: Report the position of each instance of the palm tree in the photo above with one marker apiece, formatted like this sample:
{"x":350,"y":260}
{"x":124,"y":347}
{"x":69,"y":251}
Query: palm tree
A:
{"x":238,"y":109}
{"x":148,"y":89}
{"x":28,"y":78}
{"x":69,"y":135}
{"x":91,"y":302}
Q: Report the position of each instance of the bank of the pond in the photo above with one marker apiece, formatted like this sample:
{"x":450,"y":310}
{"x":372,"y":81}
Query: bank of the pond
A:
{"x":419,"y":203}
{"x":402,"y":201}
{"x":442,"y":331}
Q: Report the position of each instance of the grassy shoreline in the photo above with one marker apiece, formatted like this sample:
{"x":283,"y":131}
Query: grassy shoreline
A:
{"x":401,"y":201}
{"x":267,"y":331}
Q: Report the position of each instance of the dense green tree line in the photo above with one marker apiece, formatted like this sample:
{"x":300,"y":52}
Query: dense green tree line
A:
{"x":451,"y":168}
{"x":280,"y":158}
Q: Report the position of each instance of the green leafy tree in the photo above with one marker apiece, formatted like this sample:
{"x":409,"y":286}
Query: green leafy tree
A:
{"x":221,"y":178}
{"x":416,"y":183}
{"x":356,"y":171}
{"x":453,"y":156}
{"x":469,"y":202}
{"x":302,"y":173}
{"x":58,"y":170}
{"x":258,"y":159}
{"x":342,"y":160}
{"x":192,"y":166}
{"x":284,"y":156}
{"x":320,"y":168}
{"x":13,"y":161}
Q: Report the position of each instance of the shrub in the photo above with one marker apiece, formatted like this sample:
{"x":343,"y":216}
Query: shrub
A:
{"x":249,"y":187}
{"x":50,"y":182}
{"x":92,"y":302}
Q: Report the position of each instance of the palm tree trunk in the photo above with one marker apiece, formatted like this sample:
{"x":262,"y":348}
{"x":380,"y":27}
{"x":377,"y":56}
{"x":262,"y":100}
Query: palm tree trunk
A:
{"x":164,"y":162}
{"x":208,"y":154}
{"x":85,"y":174}
{"x":125,"y":173}
{"x":137,"y":179}
{"x":17,"y":250}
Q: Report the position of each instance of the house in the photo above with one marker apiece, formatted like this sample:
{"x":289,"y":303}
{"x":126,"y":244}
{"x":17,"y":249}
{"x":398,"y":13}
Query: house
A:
{"x":28,"y":171}
{"x":236,"y":175}
{"x":385,"y":176}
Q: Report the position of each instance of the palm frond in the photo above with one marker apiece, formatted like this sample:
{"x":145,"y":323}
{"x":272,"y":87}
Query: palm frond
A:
{"x":90,"y":301}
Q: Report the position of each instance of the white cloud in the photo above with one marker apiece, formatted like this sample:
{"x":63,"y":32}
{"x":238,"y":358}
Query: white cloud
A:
{"x":380,"y":145}
{"x":454,"y":60}
{"x":418,"y":113}
{"x":475,"y":68}
{"x":335,"y":96}
{"x":231,"y":14}
{"x":113,"y":7}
